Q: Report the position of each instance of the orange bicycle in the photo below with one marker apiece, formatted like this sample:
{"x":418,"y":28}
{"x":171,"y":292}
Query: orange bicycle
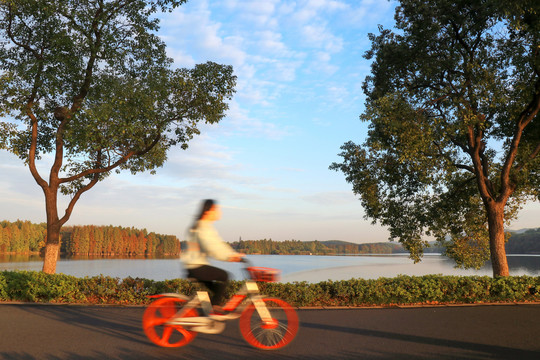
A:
{"x":173,"y":320}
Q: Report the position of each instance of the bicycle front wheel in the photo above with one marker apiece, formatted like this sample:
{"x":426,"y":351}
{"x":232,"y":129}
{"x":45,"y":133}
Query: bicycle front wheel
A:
{"x":269,"y":335}
{"x":155,"y":318}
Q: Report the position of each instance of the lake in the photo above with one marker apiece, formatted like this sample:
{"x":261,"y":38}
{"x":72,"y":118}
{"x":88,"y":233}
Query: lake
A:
{"x":293,"y":267}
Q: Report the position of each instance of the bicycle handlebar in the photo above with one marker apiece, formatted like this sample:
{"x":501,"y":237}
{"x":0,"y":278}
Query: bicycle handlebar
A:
{"x":247,"y":263}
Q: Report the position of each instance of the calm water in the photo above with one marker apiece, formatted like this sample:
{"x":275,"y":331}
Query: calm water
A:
{"x":293,"y":267}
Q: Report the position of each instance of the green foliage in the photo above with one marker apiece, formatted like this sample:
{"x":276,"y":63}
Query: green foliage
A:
{"x":453,"y":142}
{"x":401,"y":290}
{"x":5,"y":295}
{"x":90,"y":83}
{"x":95,"y":75}
{"x":41,"y":287}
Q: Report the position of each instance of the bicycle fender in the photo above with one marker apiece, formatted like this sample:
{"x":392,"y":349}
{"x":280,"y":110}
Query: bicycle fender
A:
{"x":174,"y":295}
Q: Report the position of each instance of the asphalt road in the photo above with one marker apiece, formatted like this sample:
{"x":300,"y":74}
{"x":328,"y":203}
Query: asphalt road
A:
{"x":53,"y":332}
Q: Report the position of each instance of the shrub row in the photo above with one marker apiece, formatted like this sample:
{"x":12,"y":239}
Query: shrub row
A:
{"x":30,"y":286}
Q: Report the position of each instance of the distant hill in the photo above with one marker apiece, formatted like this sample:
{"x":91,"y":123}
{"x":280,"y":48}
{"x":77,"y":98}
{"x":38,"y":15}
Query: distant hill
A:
{"x":329,"y":247}
{"x":336,"y":242}
{"x":520,"y":231}
{"x":524,"y":242}
{"x":344,"y":247}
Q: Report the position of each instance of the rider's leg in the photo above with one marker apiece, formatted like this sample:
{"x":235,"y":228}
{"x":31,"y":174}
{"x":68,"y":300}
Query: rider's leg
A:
{"x":215,"y":279}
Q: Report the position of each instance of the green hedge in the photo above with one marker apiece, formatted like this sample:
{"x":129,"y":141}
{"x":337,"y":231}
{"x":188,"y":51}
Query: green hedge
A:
{"x":402,"y":290}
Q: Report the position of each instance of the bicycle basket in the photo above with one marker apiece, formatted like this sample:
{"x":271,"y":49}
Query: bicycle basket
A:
{"x":264,"y":274}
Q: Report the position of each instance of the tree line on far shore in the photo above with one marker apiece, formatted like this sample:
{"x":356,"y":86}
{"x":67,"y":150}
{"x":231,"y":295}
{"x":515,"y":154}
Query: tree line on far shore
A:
{"x":297,"y":247}
{"x":22,"y":236}
{"x":526,"y":242}
{"x":116,"y":240}
{"x":25,"y":237}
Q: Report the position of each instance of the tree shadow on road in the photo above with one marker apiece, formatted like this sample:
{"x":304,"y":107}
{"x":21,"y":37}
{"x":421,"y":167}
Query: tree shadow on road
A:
{"x":470,"y":350}
{"x":95,"y":319}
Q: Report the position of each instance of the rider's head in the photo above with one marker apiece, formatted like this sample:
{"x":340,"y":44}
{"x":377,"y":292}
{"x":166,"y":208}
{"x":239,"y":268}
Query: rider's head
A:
{"x":205,"y":206}
{"x":209,"y":211}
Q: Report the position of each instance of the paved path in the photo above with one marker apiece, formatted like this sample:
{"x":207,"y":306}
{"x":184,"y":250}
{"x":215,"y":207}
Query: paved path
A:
{"x":53,"y":332}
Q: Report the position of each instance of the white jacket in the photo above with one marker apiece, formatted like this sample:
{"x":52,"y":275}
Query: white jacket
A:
{"x":204,"y":242}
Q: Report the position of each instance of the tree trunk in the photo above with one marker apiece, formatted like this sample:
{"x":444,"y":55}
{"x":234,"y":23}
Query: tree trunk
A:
{"x":52,"y":245}
{"x":495,"y":213}
{"x":51,"y":255}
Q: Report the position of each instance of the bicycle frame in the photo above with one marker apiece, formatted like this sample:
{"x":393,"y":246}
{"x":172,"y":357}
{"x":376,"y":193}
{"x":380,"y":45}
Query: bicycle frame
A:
{"x":248,"y":293}
{"x":172,"y":320}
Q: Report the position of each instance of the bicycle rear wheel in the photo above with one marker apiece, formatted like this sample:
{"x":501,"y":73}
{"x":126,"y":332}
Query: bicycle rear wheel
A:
{"x":269,"y":335}
{"x":157,"y":314}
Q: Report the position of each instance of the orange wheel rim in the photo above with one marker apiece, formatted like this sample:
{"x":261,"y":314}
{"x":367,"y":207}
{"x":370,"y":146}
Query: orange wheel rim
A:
{"x":155,"y":317}
{"x":273,"y":334}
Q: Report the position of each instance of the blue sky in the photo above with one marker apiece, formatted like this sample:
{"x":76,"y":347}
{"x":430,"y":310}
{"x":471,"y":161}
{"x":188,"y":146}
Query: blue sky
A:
{"x":300,"y":70}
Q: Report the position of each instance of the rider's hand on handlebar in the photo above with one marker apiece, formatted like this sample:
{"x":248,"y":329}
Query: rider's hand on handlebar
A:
{"x":238,"y":257}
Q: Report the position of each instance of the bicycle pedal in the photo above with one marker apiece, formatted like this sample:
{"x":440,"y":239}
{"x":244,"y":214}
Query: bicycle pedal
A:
{"x":228,"y":316}
{"x":214,"y":327}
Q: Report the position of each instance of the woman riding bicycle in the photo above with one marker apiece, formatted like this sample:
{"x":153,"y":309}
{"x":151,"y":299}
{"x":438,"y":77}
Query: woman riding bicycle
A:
{"x":173,"y":320}
{"x":204,"y":242}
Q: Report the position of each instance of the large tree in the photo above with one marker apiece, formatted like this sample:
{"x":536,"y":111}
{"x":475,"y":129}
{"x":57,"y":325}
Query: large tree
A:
{"x":87,"y":84}
{"x":452,"y":104}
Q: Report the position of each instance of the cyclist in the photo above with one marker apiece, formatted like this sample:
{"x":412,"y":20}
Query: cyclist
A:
{"x":203,"y":242}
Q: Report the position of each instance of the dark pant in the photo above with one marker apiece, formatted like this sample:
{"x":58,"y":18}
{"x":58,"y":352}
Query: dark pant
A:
{"x":215,"y":279}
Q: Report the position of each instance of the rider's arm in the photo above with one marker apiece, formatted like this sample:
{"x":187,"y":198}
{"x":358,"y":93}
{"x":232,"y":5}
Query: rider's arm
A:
{"x":214,"y":245}
{"x":237,"y":257}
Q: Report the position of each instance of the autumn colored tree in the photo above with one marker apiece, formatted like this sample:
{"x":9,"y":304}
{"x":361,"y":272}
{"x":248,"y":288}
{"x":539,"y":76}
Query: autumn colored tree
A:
{"x":151,"y":244}
{"x":21,"y":236}
{"x":141,"y":243}
{"x":454,"y":132}
{"x":116,"y":240}
{"x":89,"y":82}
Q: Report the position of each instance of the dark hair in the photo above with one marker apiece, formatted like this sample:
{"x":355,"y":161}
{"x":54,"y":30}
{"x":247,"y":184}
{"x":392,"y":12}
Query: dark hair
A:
{"x":206,"y":205}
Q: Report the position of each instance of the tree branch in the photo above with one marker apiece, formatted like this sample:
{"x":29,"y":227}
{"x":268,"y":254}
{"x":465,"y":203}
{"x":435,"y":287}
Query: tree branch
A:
{"x":457,"y":165}
{"x":119,"y":162}
{"x":524,"y":119}
{"x":533,"y":154}
{"x":459,"y":144}
{"x":12,"y":37}
{"x":464,"y":167}
{"x":75,"y":198}
{"x":460,"y":40}
{"x":94,"y":49}
{"x":59,"y":152}
{"x":485,"y":168}
{"x":32,"y":153}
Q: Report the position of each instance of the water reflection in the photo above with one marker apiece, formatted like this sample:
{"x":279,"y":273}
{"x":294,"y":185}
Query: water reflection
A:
{"x":6,"y":258}
{"x":525,"y":262}
{"x":294,"y":267}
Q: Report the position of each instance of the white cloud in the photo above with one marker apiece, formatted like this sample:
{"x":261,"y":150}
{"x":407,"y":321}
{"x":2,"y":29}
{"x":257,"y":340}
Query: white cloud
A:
{"x":318,"y":36}
{"x":241,"y":123}
{"x":180,"y":58}
{"x":197,"y":33}
{"x":270,"y":42}
{"x":255,"y":12}
{"x":310,"y":9}
{"x":336,"y":94}
{"x":331,"y":198}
